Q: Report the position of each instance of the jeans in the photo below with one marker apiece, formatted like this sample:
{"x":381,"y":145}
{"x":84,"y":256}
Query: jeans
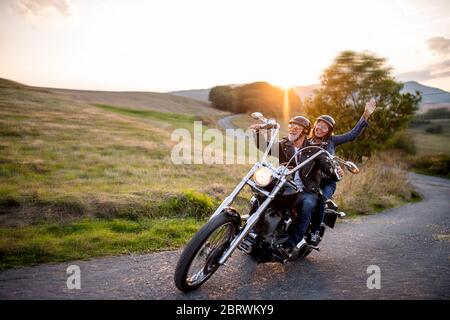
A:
{"x":328,"y":188}
{"x":305,"y":208}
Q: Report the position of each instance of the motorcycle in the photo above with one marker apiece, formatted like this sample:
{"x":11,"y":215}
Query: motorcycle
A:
{"x":262,"y":231}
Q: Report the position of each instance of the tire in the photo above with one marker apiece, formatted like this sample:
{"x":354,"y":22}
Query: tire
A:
{"x":220,"y":229}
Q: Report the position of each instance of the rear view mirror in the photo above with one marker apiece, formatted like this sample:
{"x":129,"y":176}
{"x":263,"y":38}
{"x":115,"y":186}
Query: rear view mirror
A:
{"x":257,"y":115}
{"x":351,"y":167}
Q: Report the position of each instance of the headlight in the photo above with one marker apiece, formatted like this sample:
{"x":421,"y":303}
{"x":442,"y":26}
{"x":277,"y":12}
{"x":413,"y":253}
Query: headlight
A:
{"x":262,"y":176}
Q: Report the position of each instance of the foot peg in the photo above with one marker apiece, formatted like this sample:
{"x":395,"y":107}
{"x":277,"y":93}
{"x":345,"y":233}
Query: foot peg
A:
{"x":301,"y":244}
{"x":341,"y":214}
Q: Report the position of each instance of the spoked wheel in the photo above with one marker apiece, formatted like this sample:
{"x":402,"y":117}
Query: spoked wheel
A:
{"x":200,"y":258}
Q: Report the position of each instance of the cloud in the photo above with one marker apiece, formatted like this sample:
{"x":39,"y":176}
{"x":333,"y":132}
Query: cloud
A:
{"x":43,"y":8}
{"x":439,"y":45}
{"x":442,"y":65}
{"x":422,"y":75}
{"x":434,"y":71}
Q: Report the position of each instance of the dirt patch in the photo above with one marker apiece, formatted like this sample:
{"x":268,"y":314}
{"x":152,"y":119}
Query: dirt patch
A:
{"x":443,"y":237}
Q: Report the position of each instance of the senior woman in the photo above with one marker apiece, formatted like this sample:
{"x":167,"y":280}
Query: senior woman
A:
{"x":322,"y":133}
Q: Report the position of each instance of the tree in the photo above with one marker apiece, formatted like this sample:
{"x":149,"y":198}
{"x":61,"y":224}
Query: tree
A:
{"x":436,"y":129}
{"x":347,"y":84}
{"x":259,"y":96}
{"x":268,"y":99}
{"x":223,"y":98}
{"x":256,"y":96}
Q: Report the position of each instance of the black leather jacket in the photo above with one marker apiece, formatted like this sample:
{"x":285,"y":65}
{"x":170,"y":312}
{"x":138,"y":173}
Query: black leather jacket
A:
{"x":311,"y":173}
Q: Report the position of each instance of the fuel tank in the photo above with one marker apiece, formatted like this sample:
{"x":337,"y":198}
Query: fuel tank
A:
{"x":287,"y":198}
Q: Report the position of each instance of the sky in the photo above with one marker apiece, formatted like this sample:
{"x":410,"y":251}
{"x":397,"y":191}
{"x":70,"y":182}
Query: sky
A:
{"x":173,"y":45}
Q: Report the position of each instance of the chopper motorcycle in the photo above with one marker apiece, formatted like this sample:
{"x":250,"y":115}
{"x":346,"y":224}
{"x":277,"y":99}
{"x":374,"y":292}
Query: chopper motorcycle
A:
{"x":262,"y":231}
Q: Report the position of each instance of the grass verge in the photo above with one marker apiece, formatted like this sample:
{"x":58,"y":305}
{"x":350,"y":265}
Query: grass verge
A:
{"x":380,"y":185}
{"x":88,"y":238}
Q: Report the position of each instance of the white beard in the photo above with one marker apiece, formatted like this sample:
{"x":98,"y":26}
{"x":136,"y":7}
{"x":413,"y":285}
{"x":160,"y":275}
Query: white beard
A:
{"x":293,"y":137}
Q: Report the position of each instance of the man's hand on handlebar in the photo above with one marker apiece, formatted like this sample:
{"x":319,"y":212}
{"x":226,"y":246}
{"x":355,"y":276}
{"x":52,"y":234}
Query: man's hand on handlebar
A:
{"x":255,"y":126}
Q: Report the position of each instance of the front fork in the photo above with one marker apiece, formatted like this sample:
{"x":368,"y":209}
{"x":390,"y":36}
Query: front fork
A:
{"x":251,"y":222}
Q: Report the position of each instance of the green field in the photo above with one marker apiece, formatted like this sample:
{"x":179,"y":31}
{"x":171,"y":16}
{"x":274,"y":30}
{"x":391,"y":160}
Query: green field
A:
{"x":432,"y":149}
{"x":429,"y":144}
{"x":56,"y":242}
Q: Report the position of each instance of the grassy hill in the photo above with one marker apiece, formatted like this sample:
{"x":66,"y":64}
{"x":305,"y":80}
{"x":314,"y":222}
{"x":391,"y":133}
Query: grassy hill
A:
{"x":431,"y":95}
{"x":142,"y":100}
{"x":197,"y":94}
{"x":69,"y":157}
{"x":78,"y":179}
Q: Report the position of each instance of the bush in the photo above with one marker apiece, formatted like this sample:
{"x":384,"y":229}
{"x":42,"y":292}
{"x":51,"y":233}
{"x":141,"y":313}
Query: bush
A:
{"x":436,"y":129}
{"x":438,"y":113}
{"x":417,"y":122}
{"x":438,"y":165}
{"x":402,"y":141}
{"x":188,"y":204}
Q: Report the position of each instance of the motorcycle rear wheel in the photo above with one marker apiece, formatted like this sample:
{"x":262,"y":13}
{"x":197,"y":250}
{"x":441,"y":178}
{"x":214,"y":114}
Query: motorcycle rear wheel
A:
{"x":200,"y":258}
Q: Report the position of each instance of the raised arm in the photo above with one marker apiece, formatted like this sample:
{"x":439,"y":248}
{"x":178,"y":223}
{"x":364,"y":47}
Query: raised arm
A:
{"x":350,"y":135}
{"x":359,"y":127}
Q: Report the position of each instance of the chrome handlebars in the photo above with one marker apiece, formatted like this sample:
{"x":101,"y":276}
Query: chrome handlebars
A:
{"x":273,"y":125}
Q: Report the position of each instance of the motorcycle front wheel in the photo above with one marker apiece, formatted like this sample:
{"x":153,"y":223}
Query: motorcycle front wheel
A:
{"x":200,"y":259}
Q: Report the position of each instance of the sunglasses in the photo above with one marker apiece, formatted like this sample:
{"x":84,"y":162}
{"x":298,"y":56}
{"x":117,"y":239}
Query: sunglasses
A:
{"x":295,"y":127}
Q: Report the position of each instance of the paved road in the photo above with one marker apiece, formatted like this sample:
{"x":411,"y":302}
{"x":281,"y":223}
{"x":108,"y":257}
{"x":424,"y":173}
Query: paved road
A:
{"x":226,"y":123}
{"x":411,"y":245}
